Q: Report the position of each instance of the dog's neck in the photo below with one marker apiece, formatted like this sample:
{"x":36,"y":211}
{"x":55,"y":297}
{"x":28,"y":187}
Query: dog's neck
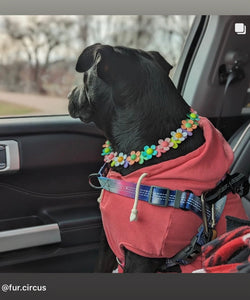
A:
{"x":133,"y":129}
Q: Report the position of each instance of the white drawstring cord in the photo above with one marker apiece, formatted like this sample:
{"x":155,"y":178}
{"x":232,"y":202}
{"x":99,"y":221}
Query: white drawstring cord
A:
{"x":134,"y":211}
{"x":99,"y":199}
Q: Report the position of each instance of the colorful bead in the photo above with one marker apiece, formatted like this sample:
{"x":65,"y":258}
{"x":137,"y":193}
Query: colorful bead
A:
{"x":134,"y":157}
{"x":142,"y":159}
{"x":178,"y":135}
{"x":126,"y":164}
{"x":107,"y":144}
{"x":120,"y":159}
{"x":149,"y":152}
{"x":188,"y":125}
{"x":175,"y":143}
{"x":106,"y":150}
{"x":164,"y":146}
{"x":108,"y":158}
{"x":193,"y":116}
{"x":189,"y":133}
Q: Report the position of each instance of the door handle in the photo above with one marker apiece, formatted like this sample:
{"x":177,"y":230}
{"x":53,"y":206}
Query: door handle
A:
{"x":29,"y":237}
{"x":9,"y":156}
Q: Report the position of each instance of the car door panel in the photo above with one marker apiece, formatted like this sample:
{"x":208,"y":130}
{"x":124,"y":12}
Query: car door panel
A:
{"x":56,"y":156}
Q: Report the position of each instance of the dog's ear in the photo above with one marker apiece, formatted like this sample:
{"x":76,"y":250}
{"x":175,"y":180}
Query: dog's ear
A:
{"x":104,"y":57}
{"x":86,"y":59}
{"x":161,"y":61}
{"x":90,"y":56}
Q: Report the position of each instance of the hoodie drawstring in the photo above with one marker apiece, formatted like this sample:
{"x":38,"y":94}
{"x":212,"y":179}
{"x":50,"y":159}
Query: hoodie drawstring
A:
{"x":134,"y":211}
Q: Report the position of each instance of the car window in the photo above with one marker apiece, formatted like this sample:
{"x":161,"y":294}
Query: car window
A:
{"x":38,"y":53}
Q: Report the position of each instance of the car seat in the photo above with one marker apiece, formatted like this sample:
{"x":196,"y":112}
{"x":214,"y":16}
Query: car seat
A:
{"x":240,"y":143}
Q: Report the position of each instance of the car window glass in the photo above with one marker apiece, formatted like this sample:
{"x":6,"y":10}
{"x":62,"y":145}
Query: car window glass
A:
{"x":38,"y":53}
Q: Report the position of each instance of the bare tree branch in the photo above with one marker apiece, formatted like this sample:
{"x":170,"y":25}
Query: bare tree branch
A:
{"x":38,"y":39}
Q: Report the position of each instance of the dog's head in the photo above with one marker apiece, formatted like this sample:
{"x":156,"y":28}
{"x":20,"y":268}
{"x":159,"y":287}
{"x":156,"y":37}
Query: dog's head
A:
{"x":115,"y":79}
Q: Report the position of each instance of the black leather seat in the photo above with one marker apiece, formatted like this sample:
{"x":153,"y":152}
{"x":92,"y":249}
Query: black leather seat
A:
{"x":240,"y":143}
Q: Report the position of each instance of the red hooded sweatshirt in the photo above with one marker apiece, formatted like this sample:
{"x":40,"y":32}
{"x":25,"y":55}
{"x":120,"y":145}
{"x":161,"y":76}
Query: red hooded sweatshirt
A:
{"x":161,"y":232}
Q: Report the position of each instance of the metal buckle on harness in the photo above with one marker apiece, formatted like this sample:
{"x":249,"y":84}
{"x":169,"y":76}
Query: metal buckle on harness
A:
{"x":102,"y":173}
{"x":210,"y":231}
{"x":163,"y":202}
{"x":91,"y":176}
{"x":204,"y":215}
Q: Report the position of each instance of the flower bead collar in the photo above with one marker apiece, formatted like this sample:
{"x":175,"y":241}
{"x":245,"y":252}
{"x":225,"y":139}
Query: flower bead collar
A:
{"x":148,"y":152}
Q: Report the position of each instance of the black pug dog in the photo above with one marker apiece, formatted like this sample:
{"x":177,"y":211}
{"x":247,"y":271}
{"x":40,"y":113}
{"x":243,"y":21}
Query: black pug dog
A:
{"x":128,"y":94}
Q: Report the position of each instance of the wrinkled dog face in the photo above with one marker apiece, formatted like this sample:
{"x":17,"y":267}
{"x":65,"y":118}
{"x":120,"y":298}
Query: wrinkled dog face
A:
{"x":84,"y":100}
{"x":113,"y":78}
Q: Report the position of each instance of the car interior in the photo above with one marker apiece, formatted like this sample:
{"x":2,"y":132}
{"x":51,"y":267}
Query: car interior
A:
{"x":225,"y":103}
{"x":49,"y":216}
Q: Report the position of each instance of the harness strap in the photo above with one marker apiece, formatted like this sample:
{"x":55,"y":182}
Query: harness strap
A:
{"x":235,"y":183}
{"x":155,"y":195}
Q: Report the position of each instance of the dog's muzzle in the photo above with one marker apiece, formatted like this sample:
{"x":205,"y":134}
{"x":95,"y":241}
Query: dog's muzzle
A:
{"x":74,"y":102}
{"x":79,"y":105}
